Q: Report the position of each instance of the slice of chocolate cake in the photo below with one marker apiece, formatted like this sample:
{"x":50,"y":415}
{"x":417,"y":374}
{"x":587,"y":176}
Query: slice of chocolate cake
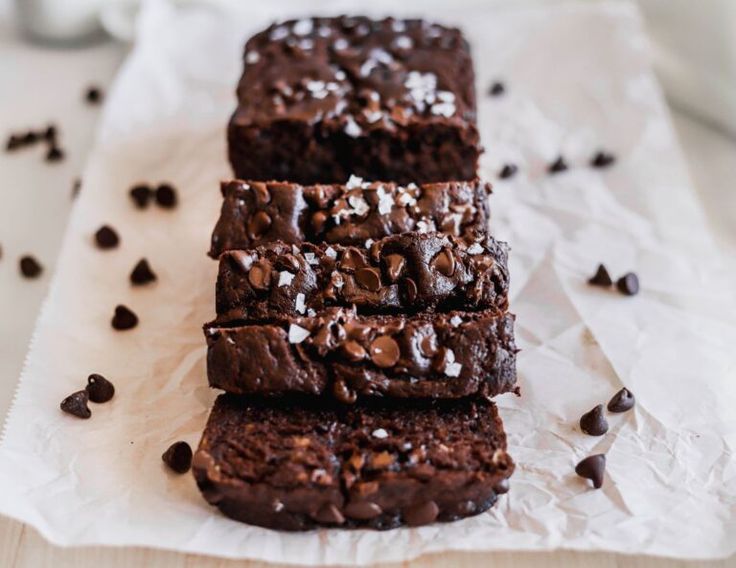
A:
{"x":254,"y":213}
{"x":296,"y":464}
{"x":405,"y":273}
{"x":337,"y":351}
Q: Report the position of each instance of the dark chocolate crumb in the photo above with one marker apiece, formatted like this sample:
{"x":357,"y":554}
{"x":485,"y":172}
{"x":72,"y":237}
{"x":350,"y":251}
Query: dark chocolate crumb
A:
{"x":99,"y":389}
{"x":559,"y":165}
{"x":30,"y":138}
{"x":178,"y":457}
{"x":124,"y":318}
{"x":30,"y":267}
{"x":508,"y":171}
{"x":602,"y":159}
{"x":622,"y":401}
{"x":166,"y":196}
{"x":141,"y":195}
{"x":142,"y":273}
{"x":50,"y":134}
{"x":106,"y":237}
{"x":601,"y":277}
{"x":628,"y":284}
{"x":14,"y":142}
{"x":93,"y":95}
{"x":76,"y":404}
{"x":496,"y":89}
{"x":54,"y":154}
{"x":594,"y":422}
{"x":592,"y":468}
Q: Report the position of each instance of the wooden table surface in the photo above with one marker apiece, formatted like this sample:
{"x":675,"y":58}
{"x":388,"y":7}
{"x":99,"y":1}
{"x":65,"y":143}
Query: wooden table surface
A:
{"x":30,"y":69}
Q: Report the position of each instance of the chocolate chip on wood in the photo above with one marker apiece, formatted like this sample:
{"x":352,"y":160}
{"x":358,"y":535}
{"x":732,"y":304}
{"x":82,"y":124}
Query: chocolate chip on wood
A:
{"x":368,"y":465}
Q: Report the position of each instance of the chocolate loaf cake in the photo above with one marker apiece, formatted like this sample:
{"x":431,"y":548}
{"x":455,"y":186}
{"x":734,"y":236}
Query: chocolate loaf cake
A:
{"x":337,"y":351}
{"x":404,"y":273}
{"x":299,"y":464}
{"x":255,"y":213}
{"x":323,"y":98}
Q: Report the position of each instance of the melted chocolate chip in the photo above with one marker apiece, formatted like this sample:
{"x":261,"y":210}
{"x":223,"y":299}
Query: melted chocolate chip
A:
{"x":351,"y":259}
{"x":369,"y":278}
{"x":593,"y":468}
{"x":421,"y":514}
{"x":559,"y":165}
{"x":601,"y":277}
{"x":166,"y":196}
{"x":428,"y":345}
{"x":263,"y":196}
{"x":444,"y":262}
{"x":362,"y":510}
{"x":622,"y":401}
{"x":385,"y":351}
{"x":30,"y":267}
{"x":410,"y":289}
{"x":76,"y":404}
{"x":602,"y":159}
{"x":99,"y":389}
{"x":259,"y":224}
{"x":106,"y":237}
{"x":93,"y":95}
{"x":124,"y":319}
{"x":628,"y":284}
{"x":141,"y":195}
{"x":142,"y":273}
{"x":319,"y":220}
{"x":354,"y":351}
{"x":594,"y":422}
{"x":329,"y":514}
{"x":496,"y":89}
{"x":178,"y":457}
{"x":54,"y":154}
{"x":259,"y":276}
{"x":394,"y":266}
{"x":508,"y":170}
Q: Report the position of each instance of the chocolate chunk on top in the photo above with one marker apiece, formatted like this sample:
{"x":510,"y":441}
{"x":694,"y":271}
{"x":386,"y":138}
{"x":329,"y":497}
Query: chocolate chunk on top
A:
{"x":622,"y":401}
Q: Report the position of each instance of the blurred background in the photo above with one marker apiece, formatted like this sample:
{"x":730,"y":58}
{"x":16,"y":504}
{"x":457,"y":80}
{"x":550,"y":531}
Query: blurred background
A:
{"x":58,"y":58}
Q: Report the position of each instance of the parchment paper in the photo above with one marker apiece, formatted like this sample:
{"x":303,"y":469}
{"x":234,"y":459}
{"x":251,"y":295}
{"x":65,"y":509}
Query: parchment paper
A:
{"x":578,"y":78}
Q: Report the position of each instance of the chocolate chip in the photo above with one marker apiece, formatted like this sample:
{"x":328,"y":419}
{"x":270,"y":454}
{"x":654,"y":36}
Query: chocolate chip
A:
{"x":141,"y":195}
{"x":508,"y":170}
{"x":106,"y":237}
{"x":496,"y":89}
{"x":178,"y":457}
{"x":369,"y":278}
{"x":410,"y":289}
{"x":592,"y":468}
{"x":30,"y":137}
{"x":421,"y":514}
{"x":30,"y":267}
{"x":263,"y":196}
{"x":76,"y":404}
{"x":99,"y":389}
{"x":259,"y":224}
{"x":394,"y":266}
{"x":259,"y":276}
{"x":93,"y":95}
{"x":124,"y":318}
{"x":54,"y":154}
{"x":385,"y":351}
{"x":14,"y":142}
{"x":444,"y":262}
{"x":351,"y":259}
{"x":362,"y":510}
{"x":628,"y":284}
{"x":622,"y":401}
{"x":354,"y":351}
{"x":50,"y":134}
{"x":319,"y":220}
{"x":559,"y":165}
{"x":166,"y":196}
{"x":428,"y":345}
{"x":329,"y":514}
{"x":502,"y":487}
{"x":602,"y":159}
{"x":142,"y":273}
{"x":343,"y":393}
{"x":601,"y":277}
{"x":594,"y":422}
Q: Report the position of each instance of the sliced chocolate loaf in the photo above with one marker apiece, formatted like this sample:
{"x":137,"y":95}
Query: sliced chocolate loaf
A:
{"x":300,"y":464}
{"x":404,"y":273}
{"x":254,"y":213}
{"x":337,"y":351}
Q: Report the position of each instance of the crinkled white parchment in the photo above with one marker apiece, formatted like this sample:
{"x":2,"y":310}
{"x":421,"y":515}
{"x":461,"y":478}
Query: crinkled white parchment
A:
{"x":578,"y":78}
